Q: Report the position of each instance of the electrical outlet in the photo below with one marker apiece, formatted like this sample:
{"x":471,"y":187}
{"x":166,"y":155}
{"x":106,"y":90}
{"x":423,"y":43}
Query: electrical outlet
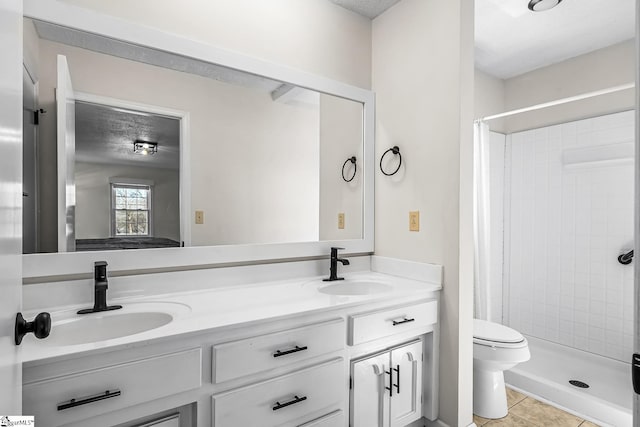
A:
{"x":414,"y":221}
{"x":199,"y":217}
{"x":341,"y":221}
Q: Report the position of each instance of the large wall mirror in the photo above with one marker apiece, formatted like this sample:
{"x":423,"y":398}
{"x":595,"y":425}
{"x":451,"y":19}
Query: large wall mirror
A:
{"x":139,"y":144}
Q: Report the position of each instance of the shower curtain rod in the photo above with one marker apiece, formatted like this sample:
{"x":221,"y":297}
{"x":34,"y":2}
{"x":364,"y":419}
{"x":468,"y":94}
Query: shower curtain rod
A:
{"x":560,"y":102}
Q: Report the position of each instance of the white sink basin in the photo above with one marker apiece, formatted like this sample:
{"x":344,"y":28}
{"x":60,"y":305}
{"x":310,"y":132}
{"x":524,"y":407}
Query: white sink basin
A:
{"x":69,"y":328}
{"x":355,"y":287}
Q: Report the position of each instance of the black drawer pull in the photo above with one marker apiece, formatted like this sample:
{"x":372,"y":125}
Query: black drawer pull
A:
{"x":405,"y":320}
{"x":295,"y":400}
{"x":89,"y":399}
{"x":296,"y":349}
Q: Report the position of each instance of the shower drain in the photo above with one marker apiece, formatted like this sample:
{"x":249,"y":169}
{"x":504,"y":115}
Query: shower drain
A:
{"x":577,"y":383}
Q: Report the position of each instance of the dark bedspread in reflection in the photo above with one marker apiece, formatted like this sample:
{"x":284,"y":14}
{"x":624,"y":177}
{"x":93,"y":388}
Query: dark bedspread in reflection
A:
{"x":113,"y":243}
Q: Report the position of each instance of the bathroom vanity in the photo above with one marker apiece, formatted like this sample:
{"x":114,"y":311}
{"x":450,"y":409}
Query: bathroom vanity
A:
{"x":239,"y":331}
{"x":271,"y":354}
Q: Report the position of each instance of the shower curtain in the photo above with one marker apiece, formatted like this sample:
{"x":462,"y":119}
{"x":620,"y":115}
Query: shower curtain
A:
{"x":481,"y":218}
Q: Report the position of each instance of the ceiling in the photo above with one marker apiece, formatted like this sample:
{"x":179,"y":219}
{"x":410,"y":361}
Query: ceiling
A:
{"x":105,"y":135}
{"x":511,"y":40}
{"x":368,"y":8}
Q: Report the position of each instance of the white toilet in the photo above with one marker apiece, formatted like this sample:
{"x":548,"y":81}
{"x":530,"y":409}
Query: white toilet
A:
{"x":496,"y":348}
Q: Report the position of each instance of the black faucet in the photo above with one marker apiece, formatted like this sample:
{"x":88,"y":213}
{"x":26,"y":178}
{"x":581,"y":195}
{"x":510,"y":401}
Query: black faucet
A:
{"x":101,"y":284}
{"x":334,"y":265}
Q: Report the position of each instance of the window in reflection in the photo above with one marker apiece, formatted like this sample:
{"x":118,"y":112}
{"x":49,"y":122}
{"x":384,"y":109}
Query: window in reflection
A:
{"x":131,"y":209}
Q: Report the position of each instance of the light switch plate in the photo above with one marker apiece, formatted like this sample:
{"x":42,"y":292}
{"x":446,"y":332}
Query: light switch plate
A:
{"x":199,"y":217}
{"x":414,"y":221}
{"x":341,"y":221}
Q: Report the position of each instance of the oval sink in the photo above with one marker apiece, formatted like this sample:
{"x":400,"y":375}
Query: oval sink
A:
{"x":355,"y":288}
{"x":104,"y":327}
{"x":69,"y":328}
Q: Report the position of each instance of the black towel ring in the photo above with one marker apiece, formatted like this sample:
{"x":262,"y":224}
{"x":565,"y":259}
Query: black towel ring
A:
{"x":355,"y":168}
{"x":394,"y":150}
{"x":626,"y":259}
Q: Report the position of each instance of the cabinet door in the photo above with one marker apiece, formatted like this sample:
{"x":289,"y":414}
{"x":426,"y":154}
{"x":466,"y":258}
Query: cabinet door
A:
{"x":369,"y":396}
{"x":406,"y":365}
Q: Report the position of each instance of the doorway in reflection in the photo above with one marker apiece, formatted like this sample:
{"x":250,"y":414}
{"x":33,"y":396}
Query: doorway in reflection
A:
{"x":127,"y":179}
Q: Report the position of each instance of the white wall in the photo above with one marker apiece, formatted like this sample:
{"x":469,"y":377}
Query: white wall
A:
{"x":489,"y":98}
{"x":312,"y":35}
{"x":245,"y":148}
{"x":570,"y":214}
{"x":423,"y":79}
{"x":601,"y":69}
{"x":93,"y":199}
{"x":341,"y":137}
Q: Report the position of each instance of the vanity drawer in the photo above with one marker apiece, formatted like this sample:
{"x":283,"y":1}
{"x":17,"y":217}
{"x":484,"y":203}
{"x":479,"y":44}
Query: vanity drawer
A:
{"x":389,"y":321}
{"x":333,"y":419}
{"x":249,"y":356}
{"x":128,"y":384}
{"x":283,"y":401}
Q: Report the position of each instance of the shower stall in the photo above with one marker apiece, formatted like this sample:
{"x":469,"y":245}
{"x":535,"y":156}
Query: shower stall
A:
{"x":557,"y":211}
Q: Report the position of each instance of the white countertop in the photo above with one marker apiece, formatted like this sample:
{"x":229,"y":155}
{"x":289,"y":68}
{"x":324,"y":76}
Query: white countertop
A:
{"x":207,"y":310}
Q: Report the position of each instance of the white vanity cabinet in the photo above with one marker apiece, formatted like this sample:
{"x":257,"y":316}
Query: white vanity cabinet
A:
{"x":63,"y":394}
{"x":170,"y":421}
{"x":389,"y":321}
{"x":360,"y":365}
{"x":386,"y":388}
{"x":297,"y":397}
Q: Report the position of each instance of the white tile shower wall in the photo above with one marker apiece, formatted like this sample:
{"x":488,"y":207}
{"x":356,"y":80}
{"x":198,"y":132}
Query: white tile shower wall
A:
{"x":496,"y":206}
{"x":565,"y":225}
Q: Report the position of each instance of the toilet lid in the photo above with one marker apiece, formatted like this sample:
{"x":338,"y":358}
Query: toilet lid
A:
{"x":495,"y":332}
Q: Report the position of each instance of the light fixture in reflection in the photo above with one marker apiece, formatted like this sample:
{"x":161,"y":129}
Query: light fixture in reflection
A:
{"x":542,"y":5}
{"x":145,"y":147}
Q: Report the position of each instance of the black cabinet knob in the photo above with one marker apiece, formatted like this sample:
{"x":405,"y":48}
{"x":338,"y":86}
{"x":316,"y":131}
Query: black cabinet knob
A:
{"x":40,"y":327}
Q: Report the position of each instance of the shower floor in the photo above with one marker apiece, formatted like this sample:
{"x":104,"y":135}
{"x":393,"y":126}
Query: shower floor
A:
{"x":607,"y":401}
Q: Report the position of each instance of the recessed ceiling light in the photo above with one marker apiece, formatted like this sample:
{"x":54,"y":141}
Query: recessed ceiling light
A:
{"x":542,"y":5}
{"x":145,"y":147}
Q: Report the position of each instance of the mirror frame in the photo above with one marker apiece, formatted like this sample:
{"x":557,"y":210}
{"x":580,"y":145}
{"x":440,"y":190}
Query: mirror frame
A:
{"x":45,"y":266}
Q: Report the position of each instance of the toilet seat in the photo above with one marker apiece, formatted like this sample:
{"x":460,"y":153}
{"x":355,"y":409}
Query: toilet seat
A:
{"x":495,"y":335}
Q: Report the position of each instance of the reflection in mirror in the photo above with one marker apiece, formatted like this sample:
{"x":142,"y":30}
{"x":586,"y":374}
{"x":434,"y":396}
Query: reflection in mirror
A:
{"x":259,"y":160}
{"x":139,"y":186}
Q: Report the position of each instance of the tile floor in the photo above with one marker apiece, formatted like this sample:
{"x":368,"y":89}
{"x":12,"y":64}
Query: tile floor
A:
{"x":528,"y":412}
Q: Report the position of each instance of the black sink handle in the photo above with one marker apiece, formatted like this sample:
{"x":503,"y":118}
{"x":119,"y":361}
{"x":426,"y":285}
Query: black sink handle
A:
{"x":41,"y":326}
